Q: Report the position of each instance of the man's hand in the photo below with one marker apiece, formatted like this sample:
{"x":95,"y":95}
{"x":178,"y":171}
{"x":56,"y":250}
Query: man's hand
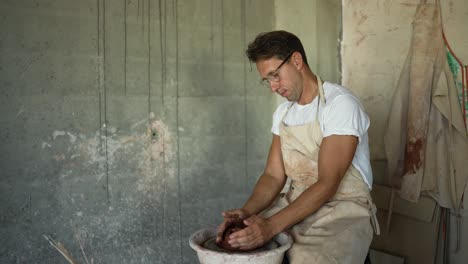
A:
{"x":229,"y":217}
{"x":258,"y":232}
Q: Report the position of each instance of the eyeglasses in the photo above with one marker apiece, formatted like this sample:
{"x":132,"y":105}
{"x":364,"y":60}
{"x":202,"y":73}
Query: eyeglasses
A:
{"x":274,"y":76}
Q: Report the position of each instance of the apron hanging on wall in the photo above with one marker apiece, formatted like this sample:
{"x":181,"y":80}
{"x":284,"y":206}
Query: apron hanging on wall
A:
{"x":426,"y":138}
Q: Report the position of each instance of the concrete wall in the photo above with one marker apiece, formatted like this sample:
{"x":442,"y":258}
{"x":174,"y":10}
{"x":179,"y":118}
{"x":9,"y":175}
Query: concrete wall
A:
{"x":376,"y":38}
{"x":318,"y":24}
{"x":129,"y":124}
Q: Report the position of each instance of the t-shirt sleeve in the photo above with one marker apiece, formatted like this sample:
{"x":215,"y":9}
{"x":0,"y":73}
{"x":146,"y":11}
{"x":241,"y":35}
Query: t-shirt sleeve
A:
{"x":345,"y":116}
{"x":277,"y":116}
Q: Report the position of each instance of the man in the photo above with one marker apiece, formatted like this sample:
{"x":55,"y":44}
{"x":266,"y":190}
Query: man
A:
{"x":320,"y":141}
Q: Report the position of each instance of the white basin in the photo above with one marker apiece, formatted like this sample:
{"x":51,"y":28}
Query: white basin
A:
{"x":207,"y":256}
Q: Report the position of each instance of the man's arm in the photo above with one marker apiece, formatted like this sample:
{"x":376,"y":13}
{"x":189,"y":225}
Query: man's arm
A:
{"x":267,"y":188}
{"x":335,"y":157}
{"x":270,"y":184}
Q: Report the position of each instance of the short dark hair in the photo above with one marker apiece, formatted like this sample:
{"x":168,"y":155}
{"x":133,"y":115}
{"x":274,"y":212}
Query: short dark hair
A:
{"x":277,"y":44}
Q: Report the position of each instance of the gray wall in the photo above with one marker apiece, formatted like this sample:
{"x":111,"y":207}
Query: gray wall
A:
{"x":318,"y":24}
{"x":129,"y":124}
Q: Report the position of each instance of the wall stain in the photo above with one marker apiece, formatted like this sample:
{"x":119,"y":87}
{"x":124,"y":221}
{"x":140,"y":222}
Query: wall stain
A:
{"x":361,"y":38}
{"x":362,"y":19}
{"x":146,"y":153}
{"x":409,"y":4}
{"x":138,"y":165}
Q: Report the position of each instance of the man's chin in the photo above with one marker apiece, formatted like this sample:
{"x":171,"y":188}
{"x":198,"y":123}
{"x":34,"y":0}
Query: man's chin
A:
{"x":288,"y":97}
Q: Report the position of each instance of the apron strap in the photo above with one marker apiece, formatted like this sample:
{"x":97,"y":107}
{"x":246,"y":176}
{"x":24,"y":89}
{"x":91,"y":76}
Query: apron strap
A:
{"x":373,"y":217}
{"x":320,"y":89}
{"x":321,"y":96}
{"x":287,"y":110}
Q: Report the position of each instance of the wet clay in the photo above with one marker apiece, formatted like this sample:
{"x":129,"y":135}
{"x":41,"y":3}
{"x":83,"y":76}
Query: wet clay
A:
{"x":235,"y":225}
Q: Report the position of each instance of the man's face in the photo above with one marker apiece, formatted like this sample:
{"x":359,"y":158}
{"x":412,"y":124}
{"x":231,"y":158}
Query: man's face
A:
{"x":283,"y":80}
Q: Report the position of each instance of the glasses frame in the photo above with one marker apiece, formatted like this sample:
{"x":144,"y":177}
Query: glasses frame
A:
{"x":274,"y":75}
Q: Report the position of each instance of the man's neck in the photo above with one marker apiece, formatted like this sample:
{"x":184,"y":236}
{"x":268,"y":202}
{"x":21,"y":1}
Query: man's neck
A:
{"x":309,"y":88}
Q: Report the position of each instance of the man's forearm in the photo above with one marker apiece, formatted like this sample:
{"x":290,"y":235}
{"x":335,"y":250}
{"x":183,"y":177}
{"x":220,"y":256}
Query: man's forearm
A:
{"x":265,"y":191}
{"x":306,"y":204}
{"x":335,"y":157}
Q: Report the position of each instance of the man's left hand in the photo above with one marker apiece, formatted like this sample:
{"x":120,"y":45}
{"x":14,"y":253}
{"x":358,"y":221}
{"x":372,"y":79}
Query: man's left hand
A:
{"x":258,"y":232}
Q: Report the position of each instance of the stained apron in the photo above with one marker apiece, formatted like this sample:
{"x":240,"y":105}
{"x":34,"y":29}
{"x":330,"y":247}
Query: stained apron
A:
{"x":426,"y":140}
{"x":342,"y":229}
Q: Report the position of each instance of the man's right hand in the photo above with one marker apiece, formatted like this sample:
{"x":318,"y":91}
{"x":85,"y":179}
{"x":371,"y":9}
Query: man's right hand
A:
{"x":229,"y":217}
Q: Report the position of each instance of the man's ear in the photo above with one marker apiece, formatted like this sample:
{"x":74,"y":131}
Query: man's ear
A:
{"x":297,"y":60}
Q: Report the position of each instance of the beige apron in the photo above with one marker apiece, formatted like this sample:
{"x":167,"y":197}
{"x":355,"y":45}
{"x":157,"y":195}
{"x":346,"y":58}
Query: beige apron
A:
{"x":341,"y":230}
{"x":441,"y":167}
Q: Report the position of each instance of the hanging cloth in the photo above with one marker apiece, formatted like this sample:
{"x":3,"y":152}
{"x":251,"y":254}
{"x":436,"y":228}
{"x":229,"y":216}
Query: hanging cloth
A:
{"x":460,"y":76}
{"x":426,"y":139}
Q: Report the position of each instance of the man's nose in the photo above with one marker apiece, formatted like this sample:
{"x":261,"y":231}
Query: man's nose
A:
{"x":274,"y":86}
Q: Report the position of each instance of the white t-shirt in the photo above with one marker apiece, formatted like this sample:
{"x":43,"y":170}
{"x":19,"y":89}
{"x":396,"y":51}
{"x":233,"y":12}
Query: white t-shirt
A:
{"x":342,"y":114}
